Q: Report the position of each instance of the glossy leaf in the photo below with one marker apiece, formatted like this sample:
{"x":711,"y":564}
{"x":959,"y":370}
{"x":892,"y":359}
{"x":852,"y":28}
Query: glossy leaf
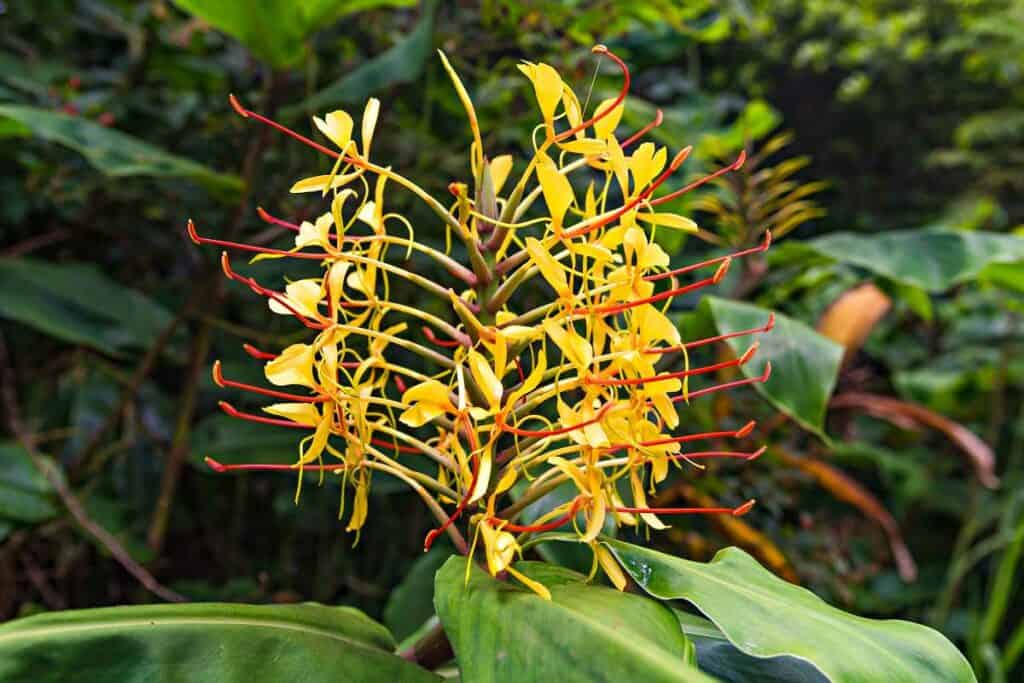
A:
{"x":717,"y":656}
{"x":276,"y":30}
{"x":503,"y":632}
{"x":931,"y":259}
{"x":804,"y":363}
{"x":209,"y":642}
{"x":77,"y":303}
{"x":764,"y":616}
{"x":401,"y":63}
{"x":112,"y":152}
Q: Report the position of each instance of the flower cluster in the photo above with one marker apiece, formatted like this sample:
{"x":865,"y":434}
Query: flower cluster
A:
{"x":581,"y":390}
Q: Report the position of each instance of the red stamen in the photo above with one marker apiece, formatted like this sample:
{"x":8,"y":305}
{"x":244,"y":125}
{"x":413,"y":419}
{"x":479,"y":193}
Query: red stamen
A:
{"x":249,"y":417}
{"x":677,"y":161}
{"x":434,"y":533}
{"x":257,"y":354}
{"x":686,"y":269}
{"x":434,"y":339}
{"x":636,"y":381}
{"x":737,"y":511}
{"x":535,"y":528}
{"x":613,"y":309}
{"x":199,"y":239}
{"x":399,"y":383}
{"x":259,"y":467}
{"x":658,"y":118}
{"x":728,"y":385}
{"x":221,"y":381}
{"x":248,"y":113}
{"x":740,"y":433}
{"x":710,"y":340}
{"x":697,"y":183}
{"x":704,"y":455}
{"x":554,"y":432}
{"x":519,"y":368}
{"x":267,"y":218}
{"x":225,"y":263}
{"x":623,"y":91}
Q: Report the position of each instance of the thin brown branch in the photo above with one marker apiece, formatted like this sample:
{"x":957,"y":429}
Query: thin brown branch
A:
{"x":67,"y":497}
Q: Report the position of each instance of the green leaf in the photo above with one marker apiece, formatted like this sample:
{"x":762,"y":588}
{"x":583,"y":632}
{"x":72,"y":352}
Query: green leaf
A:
{"x":584,"y":634}
{"x":931,"y":259}
{"x":25,"y":494}
{"x":276,"y":30}
{"x":764,"y":616}
{"x":717,"y":656}
{"x":412,"y":602}
{"x":804,"y":363}
{"x":79,"y":304}
{"x":202,"y":643}
{"x":401,"y":63}
{"x":114,"y":153}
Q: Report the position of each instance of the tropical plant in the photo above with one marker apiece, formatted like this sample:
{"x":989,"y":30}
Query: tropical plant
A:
{"x":505,"y":397}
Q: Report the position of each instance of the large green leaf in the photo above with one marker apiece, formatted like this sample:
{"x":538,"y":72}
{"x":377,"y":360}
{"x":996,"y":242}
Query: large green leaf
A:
{"x":717,"y":656}
{"x":931,"y":259}
{"x":79,"y":304}
{"x":276,"y":30}
{"x":211,"y":642}
{"x":764,"y":616}
{"x":401,"y":63}
{"x":504,"y":632}
{"x":804,"y":363}
{"x":25,"y":494}
{"x":114,"y":153}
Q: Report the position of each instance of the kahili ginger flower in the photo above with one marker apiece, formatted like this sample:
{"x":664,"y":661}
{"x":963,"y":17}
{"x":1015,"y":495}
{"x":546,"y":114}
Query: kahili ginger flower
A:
{"x":584,"y":389}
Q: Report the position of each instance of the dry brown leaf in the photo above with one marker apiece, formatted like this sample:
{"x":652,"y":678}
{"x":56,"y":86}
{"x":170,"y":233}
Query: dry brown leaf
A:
{"x":848,"y":490}
{"x":852,"y":316}
{"x":979,"y":455}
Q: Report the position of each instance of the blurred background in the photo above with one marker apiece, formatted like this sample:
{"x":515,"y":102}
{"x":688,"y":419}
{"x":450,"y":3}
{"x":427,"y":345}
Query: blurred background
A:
{"x":886,"y":143}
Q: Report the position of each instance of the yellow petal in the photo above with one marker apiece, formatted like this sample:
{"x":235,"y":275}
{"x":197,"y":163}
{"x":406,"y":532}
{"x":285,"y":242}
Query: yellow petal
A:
{"x":483,"y":476}
{"x":303,"y":295}
{"x":574,"y":347}
{"x":611,"y":567}
{"x":669,"y":220}
{"x":547,"y":85}
{"x":370,"y":114}
{"x":586,"y":147}
{"x":548,"y":266}
{"x":557,"y":190}
{"x":485,"y":378}
{"x":537,"y":587}
{"x":607,"y":125}
{"x":321,"y":183}
{"x":500,"y":168}
{"x":645,"y":163}
{"x":302,"y":413}
{"x":337,"y":126}
{"x":294,"y":365}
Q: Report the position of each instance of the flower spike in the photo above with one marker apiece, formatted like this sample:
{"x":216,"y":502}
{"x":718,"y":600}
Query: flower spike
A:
{"x":497,"y":392}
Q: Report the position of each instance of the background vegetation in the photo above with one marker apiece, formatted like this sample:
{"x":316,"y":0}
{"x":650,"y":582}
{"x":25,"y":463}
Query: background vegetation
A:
{"x":887,"y":142}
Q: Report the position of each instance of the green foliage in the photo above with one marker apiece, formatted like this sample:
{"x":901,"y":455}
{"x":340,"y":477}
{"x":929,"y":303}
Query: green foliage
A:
{"x":115,"y":127}
{"x":741,"y":597}
{"x":203,"y":642}
{"x":805,"y":365}
{"x":502,"y":632}
{"x":276,"y":30}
